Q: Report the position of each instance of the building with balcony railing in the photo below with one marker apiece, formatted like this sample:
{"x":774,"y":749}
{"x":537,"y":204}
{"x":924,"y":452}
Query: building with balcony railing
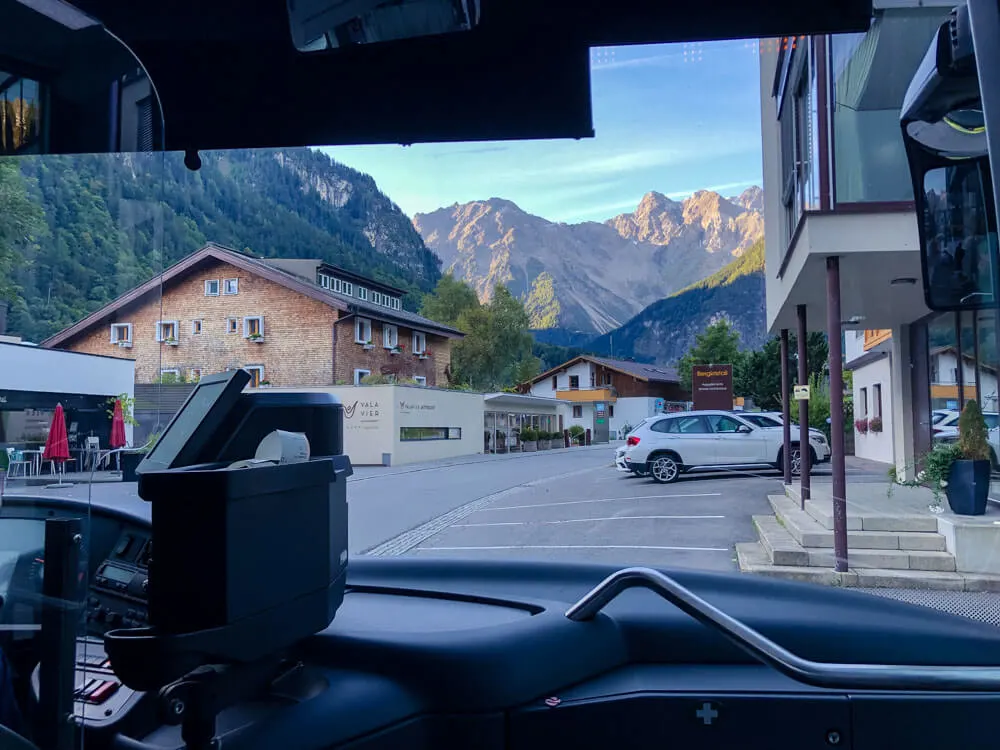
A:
{"x":607,"y":394}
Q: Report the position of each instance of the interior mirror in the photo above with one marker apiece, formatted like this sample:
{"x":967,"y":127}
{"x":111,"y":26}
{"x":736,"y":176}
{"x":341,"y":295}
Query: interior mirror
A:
{"x":959,"y":237}
{"x":329,"y":24}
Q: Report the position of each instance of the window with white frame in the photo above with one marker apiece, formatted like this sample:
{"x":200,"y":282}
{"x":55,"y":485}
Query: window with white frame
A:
{"x":256,"y":374}
{"x":419,"y":342}
{"x":362,"y":293}
{"x":420,"y":380}
{"x":338,"y":285}
{"x":231,"y":286}
{"x":121,"y":333}
{"x":212,"y":288}
{"x":377,"y":298}
{"x":359,"y":375}
{"x":253,"y":327}
{"x":196,"y":327}
{"x":170,"y":375}
{"x":390,"y":336}
{"x":195,"y":374}
{"x":348,"y":288}
{"x":324,"y":281}
{"x":362,"y":330}
{"x":395,"y":303}
{"x":232,"y":325}
{"x":166,"y":330}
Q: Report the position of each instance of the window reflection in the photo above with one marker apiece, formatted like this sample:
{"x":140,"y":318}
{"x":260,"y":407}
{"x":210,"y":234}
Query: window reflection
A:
{"x":20,"y":117}
{"x":959,"y":243}
{"x":871,"y":73}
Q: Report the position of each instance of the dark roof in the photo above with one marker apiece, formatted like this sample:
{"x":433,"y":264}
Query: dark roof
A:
{"x":638,"y":370}
{"x":260,"y":267}
{"x":652,"y":373}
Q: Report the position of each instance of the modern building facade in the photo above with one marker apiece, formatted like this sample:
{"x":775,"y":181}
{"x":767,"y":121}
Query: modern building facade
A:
{"x":287,"y":322}
{"x":34,"y":380}
{"x":842,"y":244}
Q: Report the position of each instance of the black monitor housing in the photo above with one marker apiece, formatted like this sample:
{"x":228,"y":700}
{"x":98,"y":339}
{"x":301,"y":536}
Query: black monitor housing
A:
{"x":246,"y":561}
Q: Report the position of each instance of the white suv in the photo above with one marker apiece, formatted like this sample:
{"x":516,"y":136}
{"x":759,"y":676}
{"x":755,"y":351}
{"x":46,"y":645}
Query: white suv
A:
{"x":667,"y":446}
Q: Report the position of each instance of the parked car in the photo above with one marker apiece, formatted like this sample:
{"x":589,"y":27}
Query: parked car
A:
{"x":772,"y":419}
{"x":620,"y":452}
{"x":669,"y":445}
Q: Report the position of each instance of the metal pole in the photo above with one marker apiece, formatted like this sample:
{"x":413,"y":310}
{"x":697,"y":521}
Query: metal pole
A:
{"x":61,"y":609}
{"x":960,"y":356}
{"x":786,"y":409}
{"x":837,"y":462}
{"x":804,"y":455}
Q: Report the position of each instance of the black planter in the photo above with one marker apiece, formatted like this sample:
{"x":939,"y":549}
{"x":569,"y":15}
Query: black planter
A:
{"x":968,"y":487}
{"x":129,"y":463}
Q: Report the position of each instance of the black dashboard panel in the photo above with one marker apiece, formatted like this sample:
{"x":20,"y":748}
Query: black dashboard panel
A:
{"x":434,"y":654}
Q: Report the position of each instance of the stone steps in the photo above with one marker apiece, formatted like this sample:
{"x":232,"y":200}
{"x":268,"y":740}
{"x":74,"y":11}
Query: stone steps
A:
{"x":821,"y":510}
{"x":809,"y":532}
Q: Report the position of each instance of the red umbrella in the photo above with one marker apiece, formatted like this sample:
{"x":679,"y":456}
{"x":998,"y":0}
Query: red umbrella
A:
{"x":57,"y":444}
{"x":117,"y":427}
{"x":117,"y":431}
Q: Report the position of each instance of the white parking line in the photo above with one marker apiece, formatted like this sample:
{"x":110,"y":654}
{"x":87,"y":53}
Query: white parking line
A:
{"x":577,"y":546}
{"x":601,"y":500}
{"x":575,"y":520}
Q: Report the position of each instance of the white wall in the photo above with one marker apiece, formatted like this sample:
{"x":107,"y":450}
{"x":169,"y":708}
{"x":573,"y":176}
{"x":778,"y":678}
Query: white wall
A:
{"x":875,"y":446}
{"x":30,"y":368}
{"x":631,"y":411}
{"x":581,"y":369}
{"x":854,"y":345}
{"x":374,"y":414}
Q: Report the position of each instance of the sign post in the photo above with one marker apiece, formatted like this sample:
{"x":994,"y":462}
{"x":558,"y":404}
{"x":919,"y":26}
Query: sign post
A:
{"x":712,"y":387}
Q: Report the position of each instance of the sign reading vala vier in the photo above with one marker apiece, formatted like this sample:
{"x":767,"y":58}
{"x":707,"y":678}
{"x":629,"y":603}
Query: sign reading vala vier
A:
{"x":362,"y":410}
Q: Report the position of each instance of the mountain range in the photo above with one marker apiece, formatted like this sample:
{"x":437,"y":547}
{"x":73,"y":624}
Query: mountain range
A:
{"x":593,"y":277}
{"x":638,"y":285}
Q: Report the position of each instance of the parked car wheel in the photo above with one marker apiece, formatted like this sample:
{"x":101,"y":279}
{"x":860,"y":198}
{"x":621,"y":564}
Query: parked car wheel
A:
{"x":664,"y":468}
{"x":797,"y":460}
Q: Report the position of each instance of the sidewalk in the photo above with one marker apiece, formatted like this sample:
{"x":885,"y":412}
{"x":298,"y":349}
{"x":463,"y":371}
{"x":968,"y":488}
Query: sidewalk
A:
{"x":894,"y":540}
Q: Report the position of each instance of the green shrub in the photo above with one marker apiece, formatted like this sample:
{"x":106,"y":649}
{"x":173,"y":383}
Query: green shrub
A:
{"x":972,"y":436}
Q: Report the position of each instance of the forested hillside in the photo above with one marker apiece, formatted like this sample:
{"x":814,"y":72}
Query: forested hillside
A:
{"x":105,"y":223}
{"x":665,"y":330}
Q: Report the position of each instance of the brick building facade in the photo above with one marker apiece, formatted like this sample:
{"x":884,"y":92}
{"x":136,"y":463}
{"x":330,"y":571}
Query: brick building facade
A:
{"x":289,"y":323}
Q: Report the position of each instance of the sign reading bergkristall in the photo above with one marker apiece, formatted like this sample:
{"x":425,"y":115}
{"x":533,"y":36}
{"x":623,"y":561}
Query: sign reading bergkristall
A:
{"x":712,"y":386}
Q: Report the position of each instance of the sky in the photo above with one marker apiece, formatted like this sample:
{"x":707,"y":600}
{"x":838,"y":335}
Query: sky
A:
{"x":674,"y":118}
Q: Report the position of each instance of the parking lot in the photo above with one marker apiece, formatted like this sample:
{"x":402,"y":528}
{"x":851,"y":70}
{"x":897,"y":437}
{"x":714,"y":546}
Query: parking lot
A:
{"x":586,"y":510}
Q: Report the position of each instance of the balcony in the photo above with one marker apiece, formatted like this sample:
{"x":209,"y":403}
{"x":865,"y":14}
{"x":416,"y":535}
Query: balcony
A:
{"x":587,"y":395}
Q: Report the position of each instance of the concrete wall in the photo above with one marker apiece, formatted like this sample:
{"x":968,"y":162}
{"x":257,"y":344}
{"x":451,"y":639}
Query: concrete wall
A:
{"x":374,"y":414}
{"x":631,"y":411}
{"x":29,"y":368}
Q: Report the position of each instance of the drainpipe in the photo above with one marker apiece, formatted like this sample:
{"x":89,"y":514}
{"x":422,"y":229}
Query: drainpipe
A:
{"x":786,"y":410}
{"x":837,"y":461}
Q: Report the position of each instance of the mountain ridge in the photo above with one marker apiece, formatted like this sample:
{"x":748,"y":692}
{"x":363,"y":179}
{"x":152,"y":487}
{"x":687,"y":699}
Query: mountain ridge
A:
{"x":591,"y":275}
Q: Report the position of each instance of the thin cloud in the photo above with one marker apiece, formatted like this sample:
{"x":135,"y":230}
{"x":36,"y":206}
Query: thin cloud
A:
{"x":681,"y":194}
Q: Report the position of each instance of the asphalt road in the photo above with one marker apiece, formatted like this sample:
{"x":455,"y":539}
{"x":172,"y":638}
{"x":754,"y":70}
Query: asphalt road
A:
{"x":570,"y":505}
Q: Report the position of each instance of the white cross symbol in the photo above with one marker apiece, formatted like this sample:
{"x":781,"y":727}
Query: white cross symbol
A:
{"x":706,"y":713}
